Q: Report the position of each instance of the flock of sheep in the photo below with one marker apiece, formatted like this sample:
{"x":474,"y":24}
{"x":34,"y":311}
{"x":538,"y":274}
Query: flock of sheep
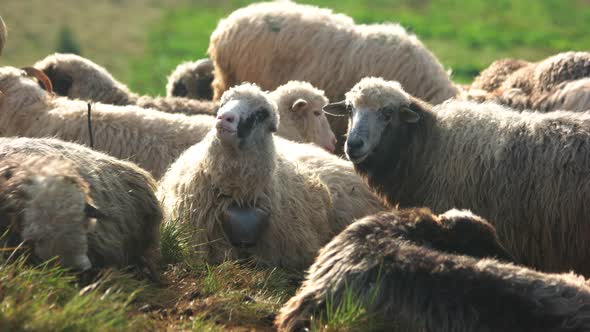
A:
{"x":241,"y":150}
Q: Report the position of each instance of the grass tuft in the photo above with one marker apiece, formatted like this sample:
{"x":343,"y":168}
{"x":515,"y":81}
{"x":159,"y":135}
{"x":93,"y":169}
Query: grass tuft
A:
{"x":48,"y":298}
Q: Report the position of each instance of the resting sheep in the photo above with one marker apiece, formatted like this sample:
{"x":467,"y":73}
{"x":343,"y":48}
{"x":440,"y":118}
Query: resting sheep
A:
{"x":47,"y":187}
{"x":41,"y":196}
{"x":240,"y":168}
{"x":525,"y":172}
{"x":559,"y":82}
{"x":271,"y":43}
{"x":191,"y":80}
{"x":429,"y":273}
{"x":147,"y":137}
{"x":78,"y":78}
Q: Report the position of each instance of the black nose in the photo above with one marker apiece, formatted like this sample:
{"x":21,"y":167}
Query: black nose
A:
{"x":355,"y":144}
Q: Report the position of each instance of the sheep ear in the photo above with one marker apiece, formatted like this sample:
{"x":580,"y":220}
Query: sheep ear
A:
{"x":299,"y":105}
{"x":43,"y":79}
{"x":62,"y":83}
{"x":336,"y":109}
{"x":92,"y":211}
{"x":408,"y":115}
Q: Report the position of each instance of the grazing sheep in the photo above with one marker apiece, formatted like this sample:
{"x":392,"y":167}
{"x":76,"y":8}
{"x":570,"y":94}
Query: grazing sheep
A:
{"x":559,"y":82}
{"x":494,"y":76}
{"x":526,"y":173}
{"x":127,"y":230}
{"x":42,"y":196}
{"x":3,"y":34}
{"x":78,"y":78}
{"x":570,"y":96}
{"x":191,"y":80}
{"x":239,"y":168}
{"x":424,"y":272}
{"x":271,"y":43}
{"x":147,"y":137}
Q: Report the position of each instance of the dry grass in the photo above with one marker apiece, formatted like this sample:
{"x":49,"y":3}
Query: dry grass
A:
{"x":110,"y":32}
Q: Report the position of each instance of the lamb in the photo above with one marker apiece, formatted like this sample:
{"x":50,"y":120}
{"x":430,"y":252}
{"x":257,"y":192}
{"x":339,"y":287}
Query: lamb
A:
{"x":430,"y":273}
{"x":241,"y":169}
{"x":559,"y":82}
{"x":526,"y":173}
{"x":49,"y":187}
{"x":191,"y":80}
{"x":282,"y":41}
{"x":300,"y":110}
{"x":147,"y":137}
{"x":3,"y":34}
{"x":78,"y":78}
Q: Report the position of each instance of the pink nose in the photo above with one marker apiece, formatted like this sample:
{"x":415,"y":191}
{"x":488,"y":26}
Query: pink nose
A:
{"x":226,"y":117}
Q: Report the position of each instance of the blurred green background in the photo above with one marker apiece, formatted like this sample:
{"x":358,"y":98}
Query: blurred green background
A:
{"x":141,"y":41}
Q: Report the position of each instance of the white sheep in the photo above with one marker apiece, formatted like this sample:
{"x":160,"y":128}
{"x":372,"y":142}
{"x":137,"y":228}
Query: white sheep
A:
{"x":270,"y":43}
{"x":147,"y":137}
{"x":79,"y":78}
{"x":47,"y":188}
{"x":241,"y":165}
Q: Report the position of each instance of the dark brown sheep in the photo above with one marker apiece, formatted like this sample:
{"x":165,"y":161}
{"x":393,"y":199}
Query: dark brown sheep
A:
{"x":413,"y":269}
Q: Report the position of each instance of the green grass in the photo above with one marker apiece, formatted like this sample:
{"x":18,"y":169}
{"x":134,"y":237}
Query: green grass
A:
{"x":142,"y":41}
{"x":47,"y":298}
{"x":350,"y":311}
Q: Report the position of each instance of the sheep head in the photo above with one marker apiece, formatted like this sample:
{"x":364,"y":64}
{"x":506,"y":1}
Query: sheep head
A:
{"x":192,"y":80}
{"x":246,"y":118}
{"x":57,"y":212}
{"x":300,"y":108}
{"x":380,"y":113}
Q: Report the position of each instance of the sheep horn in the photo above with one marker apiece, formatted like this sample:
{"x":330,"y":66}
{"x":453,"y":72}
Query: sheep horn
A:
{"x":336,"y":109}
{"x":244,"y":226}
{"x":43,"y":79}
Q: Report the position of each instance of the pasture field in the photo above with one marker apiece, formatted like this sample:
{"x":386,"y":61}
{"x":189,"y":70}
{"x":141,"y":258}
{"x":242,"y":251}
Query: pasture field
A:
{"x":140,"y":42}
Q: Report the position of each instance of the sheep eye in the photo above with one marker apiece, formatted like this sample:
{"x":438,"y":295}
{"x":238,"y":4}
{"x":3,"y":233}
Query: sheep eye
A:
{"x":317,"y":113}
{"x":387,"y":113}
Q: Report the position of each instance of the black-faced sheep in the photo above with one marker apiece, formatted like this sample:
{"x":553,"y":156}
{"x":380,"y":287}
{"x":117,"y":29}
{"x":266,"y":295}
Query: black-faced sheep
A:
{"x":525,"y":172}
{"x":191,"y":80}
{"x":83,"y":79}
{"x":127,"y":230}
{"x":240,"y":164}
{"x":559,"y":82}
{"x":147,"y":137}
{"x":281,"y":41}
{"x":425,"y":273}
{"x":78,"y":78}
